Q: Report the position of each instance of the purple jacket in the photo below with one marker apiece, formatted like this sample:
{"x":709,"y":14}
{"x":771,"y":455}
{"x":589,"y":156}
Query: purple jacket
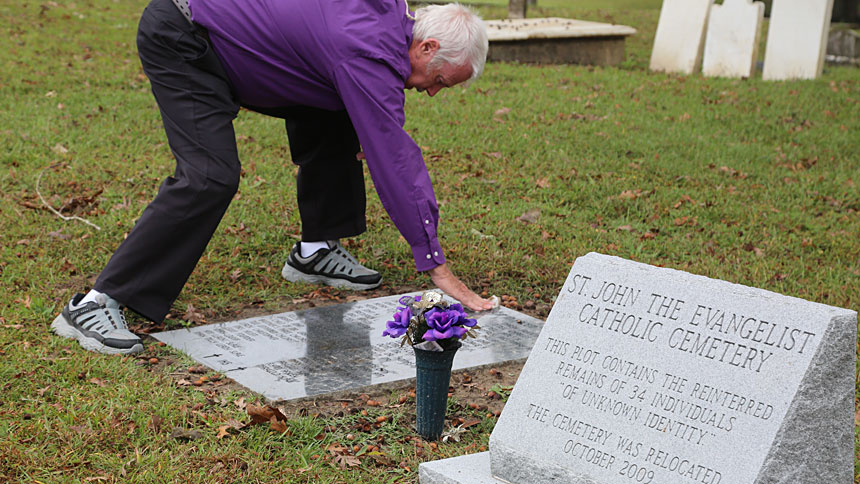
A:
{"x":336,"y":54}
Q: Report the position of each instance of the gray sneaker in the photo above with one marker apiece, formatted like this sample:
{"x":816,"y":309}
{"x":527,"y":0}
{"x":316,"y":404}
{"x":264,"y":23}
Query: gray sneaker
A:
{"x":333,"y":267}
{"x":98,"y":326}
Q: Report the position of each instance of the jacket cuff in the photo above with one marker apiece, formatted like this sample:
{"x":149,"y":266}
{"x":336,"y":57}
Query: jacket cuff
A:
{"x":428,"y":256}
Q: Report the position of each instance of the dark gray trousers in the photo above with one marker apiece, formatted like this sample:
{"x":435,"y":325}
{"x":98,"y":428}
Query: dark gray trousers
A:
{"x":149,"y":269}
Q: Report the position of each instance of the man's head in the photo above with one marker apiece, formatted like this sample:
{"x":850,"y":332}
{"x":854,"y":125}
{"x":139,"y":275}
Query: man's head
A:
{"x":449,"y":46}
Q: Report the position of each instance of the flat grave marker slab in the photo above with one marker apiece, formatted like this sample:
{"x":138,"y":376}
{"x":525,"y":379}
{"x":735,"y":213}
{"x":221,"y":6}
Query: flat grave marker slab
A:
{"x":656,"y":376}
{"x":334,"y":348}
{"x":796,"y":39}
{"x":680,"y":36}
{"x":731,"y":42}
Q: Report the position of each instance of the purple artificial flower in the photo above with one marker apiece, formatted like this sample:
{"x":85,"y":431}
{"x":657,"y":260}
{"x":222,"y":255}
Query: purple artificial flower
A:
{"x":446,"y":323}
{"x":400,"y":324}
{"x":464,"y":318}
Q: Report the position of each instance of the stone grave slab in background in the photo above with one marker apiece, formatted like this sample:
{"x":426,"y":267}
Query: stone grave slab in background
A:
{"x":731,"y":42}
{"x":796,"y":39}
{"x":334,"y":348}
{"x":645,"y":374}
{"x":680,"y":36}
{"x":556,"y":41}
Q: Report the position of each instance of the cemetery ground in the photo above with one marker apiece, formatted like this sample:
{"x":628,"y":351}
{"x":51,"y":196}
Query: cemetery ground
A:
{"x":743,"y":180}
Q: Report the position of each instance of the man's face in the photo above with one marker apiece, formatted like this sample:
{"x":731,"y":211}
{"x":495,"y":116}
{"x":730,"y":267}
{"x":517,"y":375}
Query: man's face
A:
{"x":431,"y":81}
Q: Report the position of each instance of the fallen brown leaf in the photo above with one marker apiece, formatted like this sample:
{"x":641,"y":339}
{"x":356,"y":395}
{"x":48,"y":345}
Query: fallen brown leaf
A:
{"x":631,"y":194}
{"x":235,"y":275}
{"x":185,"y":434}
{"x":344,"y":461}
{"x":267,"y":414}
{"x":470,"y":423}
{"x":193,"y":315}
{"x":226,"y":431}
{"x":530,"y":216}
{"x":155,"y":423}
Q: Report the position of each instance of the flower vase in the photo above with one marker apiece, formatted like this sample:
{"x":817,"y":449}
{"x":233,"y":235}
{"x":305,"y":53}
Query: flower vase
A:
{"x":433,"y":376}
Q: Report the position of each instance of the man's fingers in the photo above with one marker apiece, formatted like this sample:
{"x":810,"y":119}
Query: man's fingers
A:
{"x":452,"y":286}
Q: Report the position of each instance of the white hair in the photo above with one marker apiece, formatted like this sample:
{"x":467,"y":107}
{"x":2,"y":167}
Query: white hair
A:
{"x":461,"y":33}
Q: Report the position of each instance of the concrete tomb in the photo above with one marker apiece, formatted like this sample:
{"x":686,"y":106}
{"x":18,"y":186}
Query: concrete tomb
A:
{"x":680,"y":36}
{"x":337,"y":348}
{"x":797,"y":39}
{"x":731,"y":42}
{"x":556,"y":41}
{"x":652,"y":375}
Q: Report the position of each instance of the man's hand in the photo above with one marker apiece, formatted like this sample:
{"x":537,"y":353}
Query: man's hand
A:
{"x":445,"y":280}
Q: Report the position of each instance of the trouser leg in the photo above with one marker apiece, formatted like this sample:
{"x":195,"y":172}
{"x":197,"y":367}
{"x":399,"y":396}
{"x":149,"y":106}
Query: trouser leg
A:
{"x":151,"y":266}
{"x":330,"y":182}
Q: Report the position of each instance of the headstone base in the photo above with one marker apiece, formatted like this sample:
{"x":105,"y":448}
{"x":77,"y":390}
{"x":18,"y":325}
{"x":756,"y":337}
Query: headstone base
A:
{"x":588,"y":51}
{"x":464,"y":469}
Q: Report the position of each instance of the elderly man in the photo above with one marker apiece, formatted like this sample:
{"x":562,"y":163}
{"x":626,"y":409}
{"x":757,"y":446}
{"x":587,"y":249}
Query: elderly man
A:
{"x":335,"y":72}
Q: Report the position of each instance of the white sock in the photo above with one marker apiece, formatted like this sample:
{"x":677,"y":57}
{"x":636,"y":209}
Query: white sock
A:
{"x":90,"y":297}
{"x":307,"y":249}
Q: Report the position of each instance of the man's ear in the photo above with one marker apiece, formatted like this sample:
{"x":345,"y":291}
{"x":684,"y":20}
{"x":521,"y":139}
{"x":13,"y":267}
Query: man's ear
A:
{"x":429,"y":46}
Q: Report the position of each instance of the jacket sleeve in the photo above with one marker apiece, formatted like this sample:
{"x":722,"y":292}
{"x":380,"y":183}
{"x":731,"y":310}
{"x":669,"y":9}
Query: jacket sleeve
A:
{"x":373,"y":95}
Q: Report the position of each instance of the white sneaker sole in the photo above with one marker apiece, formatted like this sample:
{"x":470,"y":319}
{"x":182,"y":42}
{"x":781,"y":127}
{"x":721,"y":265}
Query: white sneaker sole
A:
{"x":61,"y":327}
{"x":292,"y":274}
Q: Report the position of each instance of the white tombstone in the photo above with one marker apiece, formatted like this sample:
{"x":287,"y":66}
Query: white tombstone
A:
{"x":731,"y":43}
{"x":797,"y":39}
{"x":680,"y":36}
{"x":649,"y":375}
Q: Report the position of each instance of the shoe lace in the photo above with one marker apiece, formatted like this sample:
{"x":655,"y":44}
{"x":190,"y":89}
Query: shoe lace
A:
{"x":122,"y":323}
{"x":122,"y":319}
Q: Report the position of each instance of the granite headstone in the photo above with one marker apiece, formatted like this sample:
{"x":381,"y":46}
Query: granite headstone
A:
{"x":655,"y":376}
{"x":337,"y":348}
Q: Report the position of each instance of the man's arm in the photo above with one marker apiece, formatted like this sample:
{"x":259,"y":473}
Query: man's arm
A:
{"x":373,"y":95}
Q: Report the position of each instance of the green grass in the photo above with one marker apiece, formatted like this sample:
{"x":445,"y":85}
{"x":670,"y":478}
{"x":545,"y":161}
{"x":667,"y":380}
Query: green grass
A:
{"x":749,"y":181}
